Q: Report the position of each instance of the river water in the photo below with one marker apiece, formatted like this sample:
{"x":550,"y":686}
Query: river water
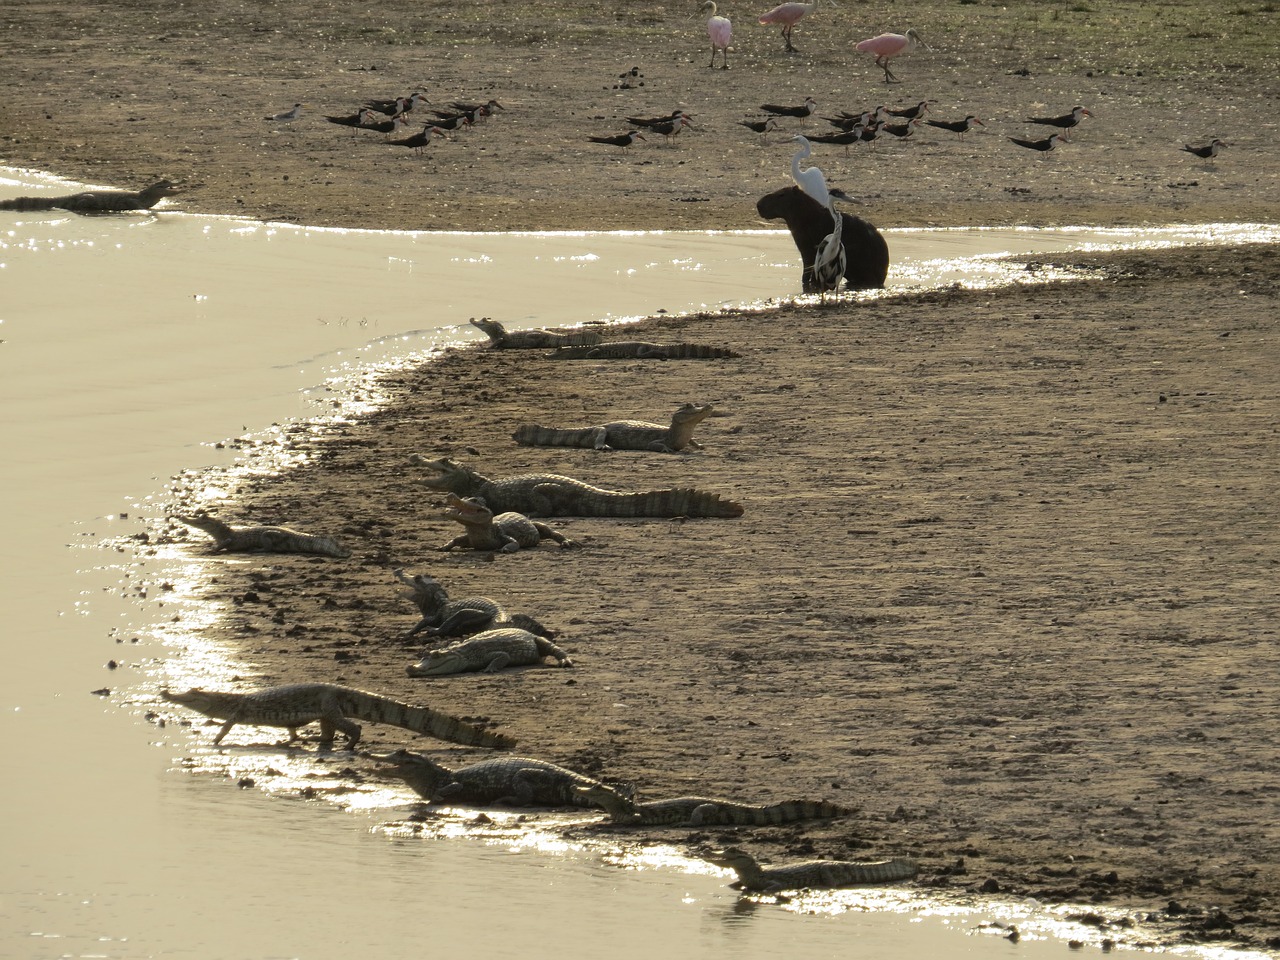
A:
{"x":130,"y":347}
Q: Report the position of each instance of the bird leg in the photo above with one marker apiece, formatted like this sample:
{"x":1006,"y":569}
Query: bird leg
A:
{"x":786,"y":35}
{"x":888,"y":74}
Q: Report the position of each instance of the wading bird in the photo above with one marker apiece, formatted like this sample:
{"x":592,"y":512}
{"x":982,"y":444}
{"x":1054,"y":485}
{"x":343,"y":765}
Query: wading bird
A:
{"x":829,"y":260}
{"x":719,"y":32}
{"x":288,"y":115}
{"x":1066,"y":121}
{"x":890,"y":45}
{"x":811,"y":179}
{"x":1207,"y":152}
{"x":1044,"y":146}
{"x":788,"y":15}
{"x":960,"y":127}
{"x":623,"y":140}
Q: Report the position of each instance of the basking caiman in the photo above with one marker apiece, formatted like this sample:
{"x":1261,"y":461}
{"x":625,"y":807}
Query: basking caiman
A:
{"x":263,"y":539}
{"x":298,"y":704}
{"x":500,"y":339}
{"x":622,"y":434}
{"x":97,"y":201}
{"x":640,"y":350}
{"x":551,"y":495}
{"x":442,"y":617}
{"x":809,"y":873}
{"x":704,"y":811}
{"x":507,"y":532}
{"x":488,"y":652}
{"x":513,"y":781}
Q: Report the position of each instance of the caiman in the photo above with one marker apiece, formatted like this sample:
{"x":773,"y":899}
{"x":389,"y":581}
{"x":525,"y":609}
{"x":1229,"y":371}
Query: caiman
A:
{"x":297,"y":704}
{"x":507,"y":532}
{"x":501,"y":339}
{"x":705,"y":811}
{"x":551,"y":495}
{"x":623,"y":434}
{"x":511,"y":781}
{"x":641,"y":350}
{"x":488,"y":652}
{"x":263,"y":539}
{"x":442,"y":617}
{"x":809,"y":873}
{"x":97,"y":201}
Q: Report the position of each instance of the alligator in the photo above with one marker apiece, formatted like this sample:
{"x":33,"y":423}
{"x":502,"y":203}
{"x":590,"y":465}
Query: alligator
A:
{"x":442,"y":617}
{"x":622,"y":434}
{"x":97,"y":201}
{"x":507,"y":532}
{"x":488,"y":652}
{"x":511,"y":781}
{"x":704,"y":811}
{"x":551,"y":495}
{"x":500,"y":339}
{"x":809,"y":873}
{"x":335,"y":706}
{"x":640,"y":350}
{"x":262,"y":539}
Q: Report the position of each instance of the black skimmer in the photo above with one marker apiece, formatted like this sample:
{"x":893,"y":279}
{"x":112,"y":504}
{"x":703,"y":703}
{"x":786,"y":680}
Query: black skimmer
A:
{"x":1208,"y":151}
{"x":1066,"y":121}
{"x":960,"y":127}
{"x":890,"y":45}
{"x":672,"y":128}
{"x":760,"y":126}
{"x":489,"y":106}
{"x":805,"y":109}
{"x":419,"y":140}
{"x":287,"y":115}
{"x":840,"y":139}
{"x":398,"y":105}
{"x":358,"y":119}
{"x":653,"y":121}
{"x":394,"y":125}
{"x":453,"y":122}
{"x":1044,"y":146}
{"x":901,"y":130}
{"x":623,"y":140}
{"x":631,"y":78}
{"x":911,"y":113}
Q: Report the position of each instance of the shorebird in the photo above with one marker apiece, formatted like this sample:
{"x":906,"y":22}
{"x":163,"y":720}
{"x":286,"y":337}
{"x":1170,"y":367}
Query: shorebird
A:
{"x":890,"y":45}
{"x":419,"y":141}
{"x":788,"y":15}
{"x":358,"y":119}
{"x":490,"y":106}
{"x":911,"y":113}
{"x":901,"y":130}
{"x":453,"y":122}
{"x":653,"y":121}
{"x":851,"y":136}
{"x":394,"y":125}
{"x":397,"y":105}
{"x":806,"y":109}
{"x":1208,"y":151}
{"x":720,"y":31}
{"x":760,"y":126}
{"x":623,"y":140}
{"x":671,"y":128}
{"x":830,"y":261}
{"x":288,"y":115}
{"x":847,"y":121}
{"x":956,"y":126}
{"x":1044,"y":146}
{"x":1066,"y":121}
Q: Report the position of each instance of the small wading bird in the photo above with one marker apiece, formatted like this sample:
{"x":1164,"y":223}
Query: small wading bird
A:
{"x":760,"y":126}
{"x":788,"y":15}
{"x":623,"y":140}
{"x":890,"y":45}
{"x":902,"y":130}
{"x":1044,"y":146}
{"x":358,"y":119}
{"x":398,"y":104}
{"x":394,"y":125}
{"x":719,"y":32}
{"x":960,"y":127}
{"x":854,"y":135}
{"x":806,"y":109}
{"x":420,"y":140}
{"x":1208,"y":151}
{"x":672,"y":127}
{"x":911,"y":113}
{"x":1066,"y":121}
{"x":288,"y":115}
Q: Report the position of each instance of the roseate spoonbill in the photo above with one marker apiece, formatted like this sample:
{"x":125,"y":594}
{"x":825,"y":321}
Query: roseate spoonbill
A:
{"x":760,"y":126}
{"x":890,"y":45}
{"x":866,"y":253}
{"x":1044,"y":146}
{"x":623,"y":140}
{"x":806,"y":109}
{"x":1066,"y":121}
{"x":719,"y":32}
{"x":956,"y":126}
{"x":789,"y":14}
{"x":1207,"y":152}
{"x":288,"y":115}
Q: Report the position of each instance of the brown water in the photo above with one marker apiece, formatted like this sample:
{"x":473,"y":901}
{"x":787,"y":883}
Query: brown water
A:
{"x":129,"y":346}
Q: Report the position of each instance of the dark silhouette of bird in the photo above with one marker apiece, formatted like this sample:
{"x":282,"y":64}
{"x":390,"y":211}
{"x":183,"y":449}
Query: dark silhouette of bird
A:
{"x":397,"y":104}
{"x":421,"y":139}
{"x":623,"y":140}
{"x":1044,"y":146}
{"x":1208,"y":151}
{"x":911,"y":113}
{"x":1066,"y":121}
{"x":653,"y":121}
{"x":358,"y":119}
{"x":805,"y":109}
{"x":960,"y":127}
{"x":901,"y":130}
{"x":760,"y":126}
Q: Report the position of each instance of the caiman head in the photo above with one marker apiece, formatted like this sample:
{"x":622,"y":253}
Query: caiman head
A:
{"x":619,"y":807}
{"x":491,"y":328}
{"x":734,"y":858}
{"x":691,"y":414}
{"x":426,"y":592}
{"x":468,"y":511}
{"x":423,"y":776}
{"x":201,"y":701}
{"x":438,"y":663}
{"x":446,"y":474}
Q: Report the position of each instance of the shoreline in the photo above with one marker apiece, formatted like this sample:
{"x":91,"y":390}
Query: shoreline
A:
{"x":781,"y":634}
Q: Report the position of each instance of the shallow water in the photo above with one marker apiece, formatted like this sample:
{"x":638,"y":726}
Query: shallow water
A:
{"x":130,"y":346}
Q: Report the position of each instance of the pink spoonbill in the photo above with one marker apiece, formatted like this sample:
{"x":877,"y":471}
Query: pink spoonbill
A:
{"x":719,"y":32}
{"x":788,"y":15}
{"x":890,"y":45}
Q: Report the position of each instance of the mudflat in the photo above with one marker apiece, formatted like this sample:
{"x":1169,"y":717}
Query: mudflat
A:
{"x":1005,"y":577}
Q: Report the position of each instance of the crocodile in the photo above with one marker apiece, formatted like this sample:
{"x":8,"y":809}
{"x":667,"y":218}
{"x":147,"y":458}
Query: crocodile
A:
{"x":705,"y":811}
{"x":335,"y":706}
{"x":511,"y":781}
{"x":809,"y":873}
{"x":488,"y":652}
{"x":263,"y":539}
{"x":552,"y":495}
{"x":442,"y":617}
{"x":623,"y":434}
{"x":97,"y":201}
{"x":641,"y":350}
{"x":507,"y":532}
{"x":500,"y":339}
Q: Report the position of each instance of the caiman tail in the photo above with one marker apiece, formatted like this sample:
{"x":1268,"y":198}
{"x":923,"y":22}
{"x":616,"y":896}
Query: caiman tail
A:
{"x":789,"y":811}
{"x":31,"y":203}
{"x":424,"y":720}
{"x":679,"y":502}
{"x":536,"y":435}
